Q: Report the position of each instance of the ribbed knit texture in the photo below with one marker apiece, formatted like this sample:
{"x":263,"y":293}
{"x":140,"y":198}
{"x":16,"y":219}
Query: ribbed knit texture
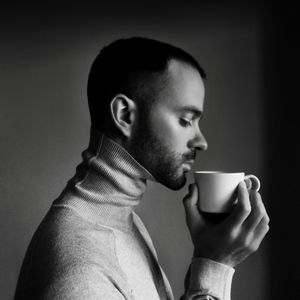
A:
{"x":91,"y":244}
{"x":108,"y":184}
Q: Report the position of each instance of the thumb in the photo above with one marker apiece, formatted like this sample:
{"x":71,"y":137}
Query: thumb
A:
{"x":193,"y":217}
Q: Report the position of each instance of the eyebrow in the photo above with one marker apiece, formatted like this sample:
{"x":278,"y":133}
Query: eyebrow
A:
{"x":193,"y":109}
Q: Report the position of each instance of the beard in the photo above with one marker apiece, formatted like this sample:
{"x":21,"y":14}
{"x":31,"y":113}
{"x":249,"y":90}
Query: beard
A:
{"x":164,"y":165}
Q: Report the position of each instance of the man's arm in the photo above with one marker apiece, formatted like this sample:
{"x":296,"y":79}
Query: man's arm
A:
{"x":85,"y":282}
{"x":218,"y":248}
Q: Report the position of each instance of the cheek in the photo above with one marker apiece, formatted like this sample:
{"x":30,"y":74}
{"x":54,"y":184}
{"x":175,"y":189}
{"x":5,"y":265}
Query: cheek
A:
{"x":168,"y":130}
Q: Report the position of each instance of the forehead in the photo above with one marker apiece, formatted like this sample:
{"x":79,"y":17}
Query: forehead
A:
{"x":183,"y":87}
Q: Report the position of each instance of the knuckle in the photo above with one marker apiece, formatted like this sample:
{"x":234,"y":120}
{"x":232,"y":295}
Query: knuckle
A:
{"x":259,"y":203}
{"x":267,"y":228}
{"x":261,"y":213}
{"x":267,"y":218}
{"x":253,"y":247}
{"x":258,"y":195}
{"x":244,"y":242}
{"x":258,"y":208}
{"x":246,"y":209}
{"x":231,"y":236}
{"x":249,"y":243}
{"x":245,"y":205}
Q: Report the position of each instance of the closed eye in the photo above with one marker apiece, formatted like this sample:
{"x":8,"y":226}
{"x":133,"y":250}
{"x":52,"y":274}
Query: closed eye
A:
{"x":185,"y":122}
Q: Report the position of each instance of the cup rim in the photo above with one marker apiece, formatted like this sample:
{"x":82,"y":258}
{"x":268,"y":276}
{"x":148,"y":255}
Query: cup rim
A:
{"x":206,"y":172}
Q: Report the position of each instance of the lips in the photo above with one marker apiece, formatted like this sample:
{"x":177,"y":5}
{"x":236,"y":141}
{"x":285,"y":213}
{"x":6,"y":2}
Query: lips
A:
{"x":188,"y":164}
{"x":186,"y":167}
{"x":188,"y":160}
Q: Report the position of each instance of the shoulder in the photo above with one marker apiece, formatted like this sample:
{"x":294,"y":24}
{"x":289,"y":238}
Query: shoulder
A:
{"x":70,"y":237}
{"x":65,"y":241}
{"x":71,"y":258}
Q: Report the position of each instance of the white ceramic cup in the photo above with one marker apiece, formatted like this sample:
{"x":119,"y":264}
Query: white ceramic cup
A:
{"x":217,"y":190}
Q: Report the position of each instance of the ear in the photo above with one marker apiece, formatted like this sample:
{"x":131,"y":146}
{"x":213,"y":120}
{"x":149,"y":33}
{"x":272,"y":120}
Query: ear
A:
{"x":123,"y":111}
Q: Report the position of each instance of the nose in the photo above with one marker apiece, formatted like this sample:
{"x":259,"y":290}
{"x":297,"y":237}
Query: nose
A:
{"x":199,"y":142}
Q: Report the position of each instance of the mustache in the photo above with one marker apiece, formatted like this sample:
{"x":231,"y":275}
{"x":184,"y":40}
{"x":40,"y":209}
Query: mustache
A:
{"x":190,"y":155}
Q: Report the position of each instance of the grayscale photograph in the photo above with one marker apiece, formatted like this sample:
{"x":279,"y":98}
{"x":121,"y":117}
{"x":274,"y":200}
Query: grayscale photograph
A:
{"x":149,"y":151}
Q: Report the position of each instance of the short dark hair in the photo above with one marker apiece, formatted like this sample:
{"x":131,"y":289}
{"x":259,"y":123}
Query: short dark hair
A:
{"x":133,"y":67}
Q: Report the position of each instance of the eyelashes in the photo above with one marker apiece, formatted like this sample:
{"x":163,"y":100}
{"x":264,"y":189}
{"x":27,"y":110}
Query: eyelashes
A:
{"x":185,"y":122}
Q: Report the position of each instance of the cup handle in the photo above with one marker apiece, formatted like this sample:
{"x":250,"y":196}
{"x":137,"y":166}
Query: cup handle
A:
{"x":255,"y":183}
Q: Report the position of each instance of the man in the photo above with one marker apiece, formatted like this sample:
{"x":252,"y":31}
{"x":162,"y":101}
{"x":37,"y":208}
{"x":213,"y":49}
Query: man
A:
{"x":146,"y":100}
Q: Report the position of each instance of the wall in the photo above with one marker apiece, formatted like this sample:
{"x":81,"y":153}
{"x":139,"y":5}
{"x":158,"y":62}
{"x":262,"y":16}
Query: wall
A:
{"x":45,"y":58}
{"x":282,"y":146}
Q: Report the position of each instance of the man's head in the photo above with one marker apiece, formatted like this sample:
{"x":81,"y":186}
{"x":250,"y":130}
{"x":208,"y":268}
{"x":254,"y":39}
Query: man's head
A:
{"x":149,"y":96}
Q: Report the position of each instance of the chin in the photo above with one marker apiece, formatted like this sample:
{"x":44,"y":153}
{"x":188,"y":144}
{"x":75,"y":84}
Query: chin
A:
{"x":175,"y":184}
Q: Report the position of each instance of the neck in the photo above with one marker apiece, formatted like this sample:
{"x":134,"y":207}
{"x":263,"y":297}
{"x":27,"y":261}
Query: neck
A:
{"x":107,"y":178}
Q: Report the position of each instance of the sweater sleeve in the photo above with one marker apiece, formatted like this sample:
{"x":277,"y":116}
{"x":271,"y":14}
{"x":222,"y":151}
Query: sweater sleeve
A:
{"x":208,"y":280}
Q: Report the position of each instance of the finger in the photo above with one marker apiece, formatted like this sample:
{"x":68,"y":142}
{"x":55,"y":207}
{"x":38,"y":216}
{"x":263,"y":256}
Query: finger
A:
{"x":248,"y":183}
{"x":193,"y":217}
{"x":242,"y":208}
{"x":258,"y":211}
{"x":260,"y":232}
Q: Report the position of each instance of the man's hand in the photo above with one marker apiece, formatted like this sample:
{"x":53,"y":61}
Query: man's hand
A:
{"x":234,"y":239}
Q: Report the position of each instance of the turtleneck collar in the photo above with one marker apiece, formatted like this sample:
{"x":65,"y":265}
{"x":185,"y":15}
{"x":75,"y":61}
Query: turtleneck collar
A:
{"x":108,"y":179}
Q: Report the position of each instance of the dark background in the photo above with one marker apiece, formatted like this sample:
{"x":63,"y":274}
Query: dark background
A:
{"x":248,"y":50}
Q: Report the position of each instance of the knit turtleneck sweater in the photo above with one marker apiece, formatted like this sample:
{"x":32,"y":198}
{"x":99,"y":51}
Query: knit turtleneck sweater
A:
{"x":92,"y":245}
